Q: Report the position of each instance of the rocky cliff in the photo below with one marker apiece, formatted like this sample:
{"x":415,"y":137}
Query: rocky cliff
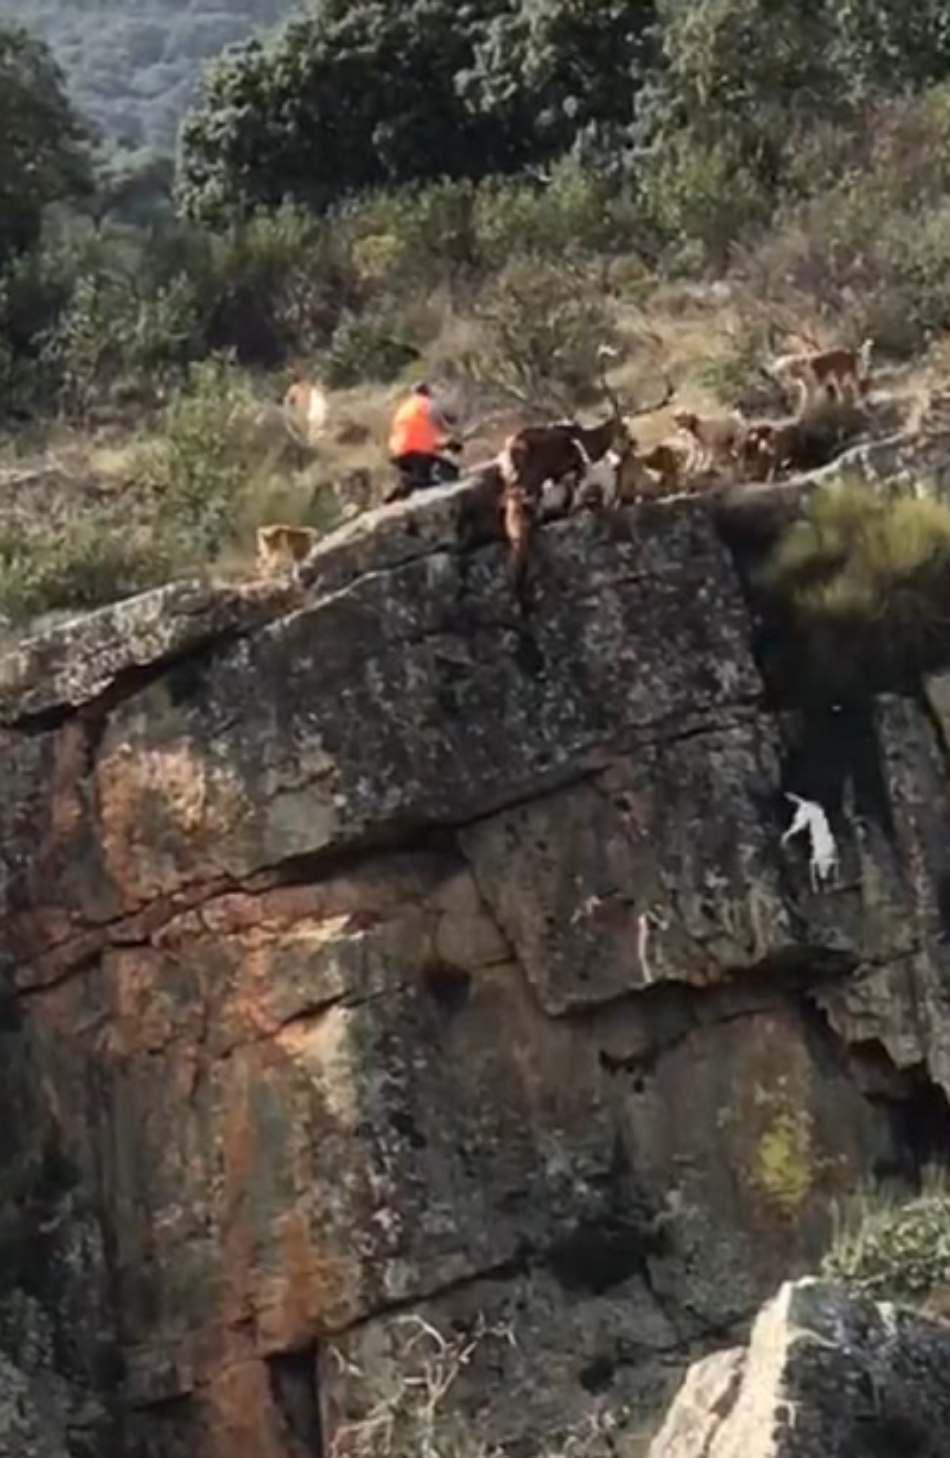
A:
{"x":372,"y":952}
{"x":827,"y":1374}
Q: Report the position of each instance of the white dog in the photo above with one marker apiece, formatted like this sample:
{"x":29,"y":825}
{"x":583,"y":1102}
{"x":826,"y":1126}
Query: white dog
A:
{"x":810,"y":816}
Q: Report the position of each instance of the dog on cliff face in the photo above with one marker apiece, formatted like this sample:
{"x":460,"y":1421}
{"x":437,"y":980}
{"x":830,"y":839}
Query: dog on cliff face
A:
{"x":810,"y":816}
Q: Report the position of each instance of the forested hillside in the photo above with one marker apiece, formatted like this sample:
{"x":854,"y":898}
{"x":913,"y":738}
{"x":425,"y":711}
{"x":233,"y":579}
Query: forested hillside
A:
{"x":488,"y":192}
{"x":132,"y":65}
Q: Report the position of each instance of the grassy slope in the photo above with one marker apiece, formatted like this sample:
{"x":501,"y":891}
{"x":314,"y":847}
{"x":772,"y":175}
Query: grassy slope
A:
{"x":66,"y":471}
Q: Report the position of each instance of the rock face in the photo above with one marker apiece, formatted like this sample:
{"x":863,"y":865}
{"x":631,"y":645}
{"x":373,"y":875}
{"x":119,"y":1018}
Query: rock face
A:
{"x":375,"y":954}
{"x":826,"y":1375}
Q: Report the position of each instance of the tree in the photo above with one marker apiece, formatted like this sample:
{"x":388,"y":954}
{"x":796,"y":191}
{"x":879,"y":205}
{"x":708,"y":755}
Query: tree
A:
{"x":891,"y":46}
{"x":564,"y":73}
{"x":744,"y":77}
{"x":747,"y":80}
{"x":365,"y":93}
{"x":359,"y":94}
{"x":44,"y":157}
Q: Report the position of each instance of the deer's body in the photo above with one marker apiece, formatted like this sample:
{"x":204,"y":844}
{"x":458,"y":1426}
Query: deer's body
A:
{"x":563,"y":452}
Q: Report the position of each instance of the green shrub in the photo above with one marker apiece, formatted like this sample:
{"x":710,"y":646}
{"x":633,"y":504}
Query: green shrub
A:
{"x":895,"y":1251}
{"x":541,"y":326}
{"x":866,"y":558}
{"x":701,"y":199}
{"x":574,"y":212}
{"x":892,"y":280}
{"x":211,"y":449}
{"x":737,"y":375}
{"x":859,"y":590}
{"x":273,"y":288}
{"x":366,"y":349}
{"x":82,"y":563}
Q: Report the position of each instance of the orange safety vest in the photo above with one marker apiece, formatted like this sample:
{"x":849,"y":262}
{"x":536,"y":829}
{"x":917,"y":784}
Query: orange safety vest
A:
{"x":413,"y":429}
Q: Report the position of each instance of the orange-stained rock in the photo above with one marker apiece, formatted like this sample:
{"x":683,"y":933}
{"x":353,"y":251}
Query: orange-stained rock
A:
{"x":374,"y":953}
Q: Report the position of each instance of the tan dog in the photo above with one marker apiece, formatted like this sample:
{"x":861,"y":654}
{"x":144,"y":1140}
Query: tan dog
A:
{"x":714,"y":439}
{"x":282,"y":548}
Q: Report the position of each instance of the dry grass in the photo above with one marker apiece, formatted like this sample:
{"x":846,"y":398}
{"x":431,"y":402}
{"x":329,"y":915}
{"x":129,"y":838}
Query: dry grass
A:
{"x":64,"y":484}
{"x":418,"y":1417}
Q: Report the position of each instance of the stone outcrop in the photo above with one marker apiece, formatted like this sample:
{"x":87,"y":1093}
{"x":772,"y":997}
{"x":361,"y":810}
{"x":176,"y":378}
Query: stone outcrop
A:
{"x":374,"y":952}
{"x":826,"y":1374}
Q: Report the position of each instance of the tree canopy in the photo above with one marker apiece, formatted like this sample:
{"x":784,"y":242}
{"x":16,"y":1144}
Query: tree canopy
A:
{"x":44,"y":156}
{"x":362,"y":93}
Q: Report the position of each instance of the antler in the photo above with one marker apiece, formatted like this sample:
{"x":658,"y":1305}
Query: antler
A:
{"x":668,"y":392}
{"x":605,"y":352}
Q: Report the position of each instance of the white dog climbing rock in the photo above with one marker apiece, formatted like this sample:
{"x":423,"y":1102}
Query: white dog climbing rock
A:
{"x":810,"y":816}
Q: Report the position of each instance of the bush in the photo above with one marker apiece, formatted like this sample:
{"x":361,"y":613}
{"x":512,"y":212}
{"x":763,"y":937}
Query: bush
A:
{"x":216,"y":467}
{"x":541,"y":326}
{"x":863,"y":558}
{"x":891,"y":281}
{"x":81,"y":564}
{"x":859,"y":589}
{"x":736,"y":375}
{"x":365,"y":349}
{"x":896,"y":1251}
{"x":207,"y":457}
{"x":701,"y":199}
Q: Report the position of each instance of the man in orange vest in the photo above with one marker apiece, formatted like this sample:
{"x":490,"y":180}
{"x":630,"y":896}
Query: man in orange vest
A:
{"x":416,"y":442}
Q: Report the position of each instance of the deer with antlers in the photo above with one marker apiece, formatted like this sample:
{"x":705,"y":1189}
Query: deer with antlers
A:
{"x":564,"y":452}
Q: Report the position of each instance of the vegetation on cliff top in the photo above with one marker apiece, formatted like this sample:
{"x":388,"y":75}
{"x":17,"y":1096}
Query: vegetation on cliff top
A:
{"x":861,"y":584}
{"x":898,"y":1250}
{"x":649,"y":179}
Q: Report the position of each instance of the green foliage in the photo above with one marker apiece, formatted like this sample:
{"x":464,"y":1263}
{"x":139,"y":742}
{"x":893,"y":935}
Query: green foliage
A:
{"x":744,"y":88}
{"x":132,"y":68}
{"x":43,"y":156}
{"x":739,"y":135}
{"x":542,"y":325}
{"x":200,"y":465}
{"x":217,"y":464}
{"x":365,"y":349}
{"x":99,"y":559}
{"x":892,"y":280}
{"x":862,"y":582}
{"x":562,"y":75}
{"x":364,"y":95}
{"x":864,"y":556}
{"x":701,"y":197}
{"x":896,"y":1251}
{"x":349,"y":97}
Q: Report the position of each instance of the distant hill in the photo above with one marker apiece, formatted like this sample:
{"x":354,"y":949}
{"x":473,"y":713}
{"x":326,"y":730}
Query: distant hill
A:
{"x":132,"y":65}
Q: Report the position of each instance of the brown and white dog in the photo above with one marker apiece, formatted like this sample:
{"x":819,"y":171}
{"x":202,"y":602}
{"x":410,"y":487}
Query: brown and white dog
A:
{"x":714,"y":439}
{"x":819,"y":375}
{"x":771,"y":446}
